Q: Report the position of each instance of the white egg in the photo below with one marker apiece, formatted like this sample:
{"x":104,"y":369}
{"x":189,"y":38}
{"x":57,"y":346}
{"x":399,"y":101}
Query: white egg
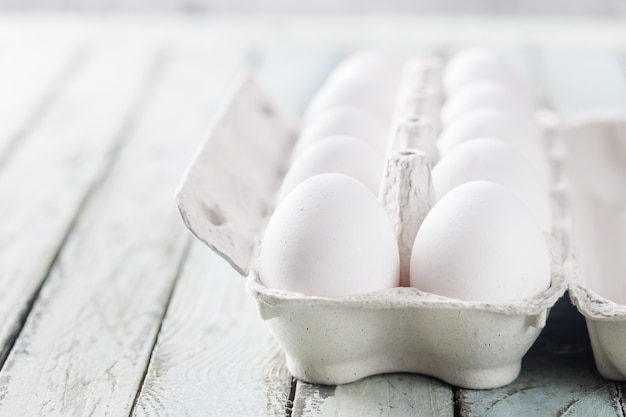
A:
{"x":358,"y":91}
{"x":329,"y":237}
{"x":344,"y":121}
{"x":480,"y":243}
{"x":479,"y":64}
{"x":370,"y":64}
{"x":341,"y":154}
{"x":484,"y":94}
{"x":496,"y":161}
{"x":488,"y":122}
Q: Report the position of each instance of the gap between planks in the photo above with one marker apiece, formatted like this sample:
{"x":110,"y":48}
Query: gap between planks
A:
{"x":139,"y":102}
{"x":160,"y":146}
{"x":179,"y":270}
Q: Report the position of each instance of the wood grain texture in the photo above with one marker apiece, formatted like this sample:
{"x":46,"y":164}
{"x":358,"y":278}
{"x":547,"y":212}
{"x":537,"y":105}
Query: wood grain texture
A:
{"x":87,"y":341}
{"x":86,"y":344}
{"x":44,"y":183}
{"x":382,"y":395}
{"x":214,"y":355}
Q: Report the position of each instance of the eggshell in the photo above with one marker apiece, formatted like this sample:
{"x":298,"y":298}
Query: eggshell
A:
{"x":480,"y":243}
{"x":341,"y":154}
{"x":329,"y":237}
{"x":498,"y":124}
{"x":374,"y":65}
{"x":484,"y":94}
{"x":479,"y":64}
{"x":497,"y":161}
{"x":349,"y":121}
{"x":358,"y":91}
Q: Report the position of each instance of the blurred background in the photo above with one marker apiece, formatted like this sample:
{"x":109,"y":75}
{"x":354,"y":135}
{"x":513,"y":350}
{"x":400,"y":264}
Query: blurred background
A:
{"x":585,"y":8}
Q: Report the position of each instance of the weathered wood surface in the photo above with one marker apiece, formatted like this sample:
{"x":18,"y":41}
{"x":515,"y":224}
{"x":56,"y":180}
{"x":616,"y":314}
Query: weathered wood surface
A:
{"x":214,"y":355}
{"x":86,"y":344}
{"x":44,"y":182}
{"x":106,"y":308}
{"x":382,"y":395}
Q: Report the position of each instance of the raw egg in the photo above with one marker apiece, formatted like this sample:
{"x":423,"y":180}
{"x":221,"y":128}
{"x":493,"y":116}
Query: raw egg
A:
{"x":480,"y":243}
{"x":495,"y":123}
{"x":484,"y":94}
{"x":373,"y":65}
{"x":497,"y":161}
{"x":358,"y":90}
{"x":329,"y":237}
{"x":349,"y":121}
{"x":480,"y":64}
{"x":341,"y":154}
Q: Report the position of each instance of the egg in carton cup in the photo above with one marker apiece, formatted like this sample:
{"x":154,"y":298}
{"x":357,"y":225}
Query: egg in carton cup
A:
{"x":229,"y":192}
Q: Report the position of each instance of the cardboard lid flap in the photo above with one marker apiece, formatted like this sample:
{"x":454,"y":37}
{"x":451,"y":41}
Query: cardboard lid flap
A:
{"x":228,"y":191}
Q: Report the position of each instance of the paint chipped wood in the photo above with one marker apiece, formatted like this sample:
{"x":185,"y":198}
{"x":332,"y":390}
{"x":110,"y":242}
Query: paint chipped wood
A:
{"x":44,"y":182}
{"x":86,"y":344}
{"x":214,"y":355}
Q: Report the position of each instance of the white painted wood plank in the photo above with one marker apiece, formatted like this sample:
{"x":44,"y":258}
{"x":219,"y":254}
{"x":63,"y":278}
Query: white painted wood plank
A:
{"x":31,"y":75}
{"x":43,"y":184}
{"x":85,"y":346}
{"x":214,"y":356}
{"x":383,"y":395}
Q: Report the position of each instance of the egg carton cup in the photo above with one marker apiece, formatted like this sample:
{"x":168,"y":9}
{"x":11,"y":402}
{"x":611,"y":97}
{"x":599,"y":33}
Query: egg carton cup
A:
{"x":596,"y":160}
{"x":226,"y":199}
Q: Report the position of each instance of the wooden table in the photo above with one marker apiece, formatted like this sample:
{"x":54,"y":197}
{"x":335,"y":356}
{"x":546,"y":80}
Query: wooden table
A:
{"x":109,"y":307}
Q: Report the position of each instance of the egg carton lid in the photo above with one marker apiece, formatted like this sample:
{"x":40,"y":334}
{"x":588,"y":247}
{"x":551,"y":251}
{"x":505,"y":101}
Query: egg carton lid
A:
{"x":227,"y":193}
{"x":227,"y":196}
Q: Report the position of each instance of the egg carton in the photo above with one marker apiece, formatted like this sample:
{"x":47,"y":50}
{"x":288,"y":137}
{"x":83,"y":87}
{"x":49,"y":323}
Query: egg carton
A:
{"x":228,"y":194}
{"x":595,"y":158}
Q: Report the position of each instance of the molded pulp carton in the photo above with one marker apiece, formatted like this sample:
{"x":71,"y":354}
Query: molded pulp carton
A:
{"x":595,"y":160}
{"x":228,"y":195}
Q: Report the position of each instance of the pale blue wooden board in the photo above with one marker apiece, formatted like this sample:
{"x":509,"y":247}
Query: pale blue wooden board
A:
{"x":381,"y":395}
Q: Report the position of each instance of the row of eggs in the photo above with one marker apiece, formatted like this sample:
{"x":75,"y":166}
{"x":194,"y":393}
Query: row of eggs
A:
{"x":330,"y":236}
